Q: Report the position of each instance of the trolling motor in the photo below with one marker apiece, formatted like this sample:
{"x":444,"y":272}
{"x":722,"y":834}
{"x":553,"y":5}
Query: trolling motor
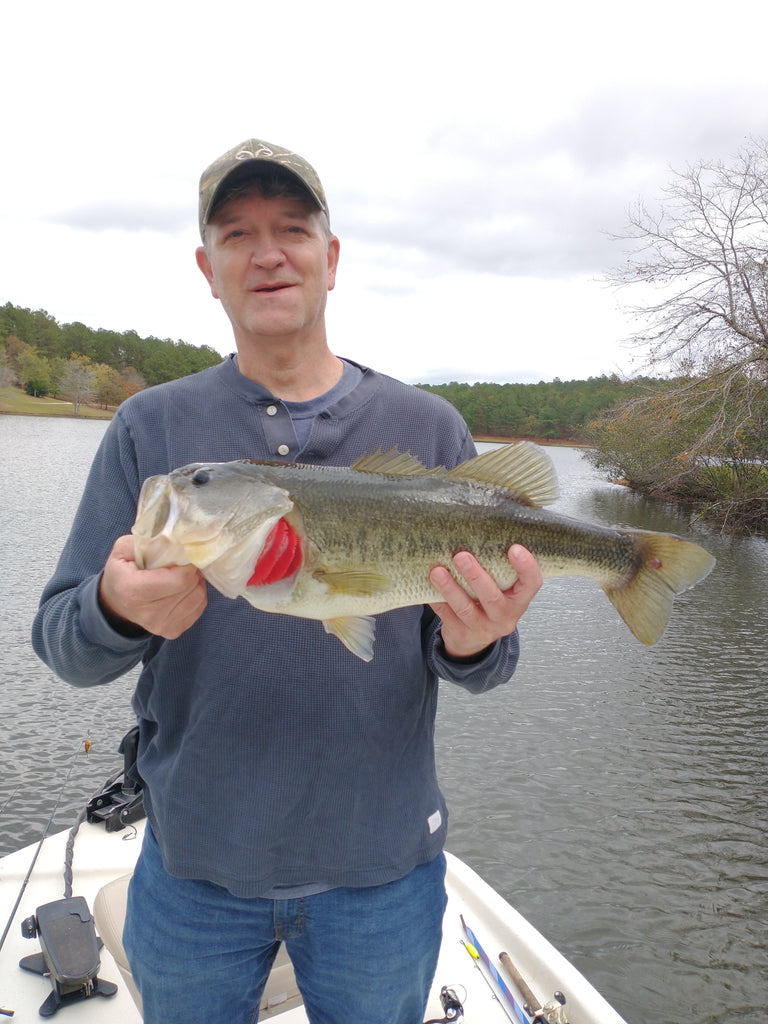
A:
{"x":120,"y":803}
{"x":70,"y":953}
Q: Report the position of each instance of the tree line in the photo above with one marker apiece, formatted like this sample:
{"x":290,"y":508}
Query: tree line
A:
{"x":82,"y":364}
{"x":548,"y":411}
{"x":46,"y":357}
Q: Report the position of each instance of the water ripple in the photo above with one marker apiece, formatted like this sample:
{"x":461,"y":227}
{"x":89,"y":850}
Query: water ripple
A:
{"x":615,"y":794}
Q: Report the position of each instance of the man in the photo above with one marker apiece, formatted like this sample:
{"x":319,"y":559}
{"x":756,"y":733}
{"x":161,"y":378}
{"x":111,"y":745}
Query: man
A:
{"x":290,"y":787}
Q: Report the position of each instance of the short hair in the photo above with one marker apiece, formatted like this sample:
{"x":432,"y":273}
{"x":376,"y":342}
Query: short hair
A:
{"x":269,"y":182}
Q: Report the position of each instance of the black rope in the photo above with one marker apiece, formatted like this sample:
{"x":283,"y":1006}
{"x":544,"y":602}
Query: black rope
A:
{"x":69,"y":849}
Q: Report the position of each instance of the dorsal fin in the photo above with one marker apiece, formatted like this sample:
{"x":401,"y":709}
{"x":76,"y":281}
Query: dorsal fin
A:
{"x":522,"y":469}
{"x":394,"y":463}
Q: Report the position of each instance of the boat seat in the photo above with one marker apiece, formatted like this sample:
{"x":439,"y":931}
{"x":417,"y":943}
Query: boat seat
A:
{"x":280,"y":993}
{"x":109,"y":915}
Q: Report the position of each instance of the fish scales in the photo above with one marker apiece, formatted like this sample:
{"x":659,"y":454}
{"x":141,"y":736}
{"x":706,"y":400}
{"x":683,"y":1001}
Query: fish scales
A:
{"x":371,"y":533}
{"x":446,"y":520}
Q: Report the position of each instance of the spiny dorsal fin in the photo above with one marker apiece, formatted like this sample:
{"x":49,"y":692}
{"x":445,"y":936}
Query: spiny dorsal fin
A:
{"x":523,"y":469}
{"x":394,"y":463}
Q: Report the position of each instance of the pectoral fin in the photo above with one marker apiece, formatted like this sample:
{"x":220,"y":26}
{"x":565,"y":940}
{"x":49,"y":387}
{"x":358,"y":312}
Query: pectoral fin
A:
{"x":353,"y":582}
{"x":356,"y":632}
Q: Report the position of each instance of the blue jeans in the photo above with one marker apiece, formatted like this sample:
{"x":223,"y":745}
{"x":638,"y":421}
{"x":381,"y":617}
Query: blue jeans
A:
{"x":361,"y":956}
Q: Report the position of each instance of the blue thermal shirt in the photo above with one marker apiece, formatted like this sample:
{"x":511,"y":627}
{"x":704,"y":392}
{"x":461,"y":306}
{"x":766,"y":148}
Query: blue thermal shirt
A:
{"x":271,"y":755}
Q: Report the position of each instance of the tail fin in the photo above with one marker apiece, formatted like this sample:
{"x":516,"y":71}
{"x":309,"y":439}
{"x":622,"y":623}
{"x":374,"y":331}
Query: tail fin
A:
{"x":668,"y":565}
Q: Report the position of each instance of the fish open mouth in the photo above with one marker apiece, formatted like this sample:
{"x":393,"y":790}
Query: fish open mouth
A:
{"x":154,"y":507}
{"x":155,"y":529}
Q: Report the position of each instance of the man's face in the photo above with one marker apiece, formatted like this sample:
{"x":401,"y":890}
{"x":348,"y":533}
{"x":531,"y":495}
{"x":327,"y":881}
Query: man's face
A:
{"x":271,"y":265}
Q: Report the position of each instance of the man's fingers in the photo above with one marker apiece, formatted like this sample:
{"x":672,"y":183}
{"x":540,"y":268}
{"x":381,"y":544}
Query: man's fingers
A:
{"x":178,"y":617}
{"x":453,"y":594}
{"x":470,"y":625}
{"x":529,"y":578}
{"x":164,"y":601}
{"x":489,"y":596}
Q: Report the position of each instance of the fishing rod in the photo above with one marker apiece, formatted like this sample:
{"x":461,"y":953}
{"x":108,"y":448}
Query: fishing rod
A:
{"x":477,"y":953}
{"x":43,"y":837}
{"x":552,"y":1013}
{"x":494,"y":995}
{"x":533,"y":1011}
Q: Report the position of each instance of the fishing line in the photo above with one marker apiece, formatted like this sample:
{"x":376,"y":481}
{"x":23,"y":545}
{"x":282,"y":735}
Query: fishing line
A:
{"x":43,"y":837}
{"x":5,"y":805}
{"x":4,"y":808}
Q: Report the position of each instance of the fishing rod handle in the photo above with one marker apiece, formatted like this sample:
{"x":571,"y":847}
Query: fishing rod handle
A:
{"x":521,"y":983}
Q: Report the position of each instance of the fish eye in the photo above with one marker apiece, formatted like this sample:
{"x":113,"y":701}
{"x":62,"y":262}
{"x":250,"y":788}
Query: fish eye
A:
{"x":202,"y":476}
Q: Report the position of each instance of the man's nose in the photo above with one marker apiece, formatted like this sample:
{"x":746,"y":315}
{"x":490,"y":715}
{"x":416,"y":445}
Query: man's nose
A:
{"x":267,"y":253}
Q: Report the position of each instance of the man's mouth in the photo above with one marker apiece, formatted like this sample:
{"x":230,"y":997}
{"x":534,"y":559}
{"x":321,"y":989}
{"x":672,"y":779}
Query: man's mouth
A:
{"x":280,"y":286}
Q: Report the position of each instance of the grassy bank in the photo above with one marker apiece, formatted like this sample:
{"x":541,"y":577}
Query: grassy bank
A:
{"x":16,"y":402}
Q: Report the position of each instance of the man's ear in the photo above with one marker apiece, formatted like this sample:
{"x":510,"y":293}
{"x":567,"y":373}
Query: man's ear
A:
{"x":205,"y":266}
{"x":333,"y":261}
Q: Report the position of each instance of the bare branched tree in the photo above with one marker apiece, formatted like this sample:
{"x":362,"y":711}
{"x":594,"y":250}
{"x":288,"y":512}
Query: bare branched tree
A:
{"x":701,"y":259}
{"x":77,"y":382}
{"x":706,"y":251}
{"x":698,"y":271}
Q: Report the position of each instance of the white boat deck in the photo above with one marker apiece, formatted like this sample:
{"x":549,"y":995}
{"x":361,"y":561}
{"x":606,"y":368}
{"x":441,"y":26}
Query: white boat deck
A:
{"x":100,"y":857}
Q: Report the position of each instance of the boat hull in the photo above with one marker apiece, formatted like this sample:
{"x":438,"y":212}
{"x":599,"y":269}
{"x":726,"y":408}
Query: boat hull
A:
{"x":101,"y":857}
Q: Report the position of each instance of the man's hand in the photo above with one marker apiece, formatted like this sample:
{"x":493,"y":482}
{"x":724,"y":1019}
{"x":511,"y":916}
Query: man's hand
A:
{"x":165,"y":602}
{"x":469,"y":626}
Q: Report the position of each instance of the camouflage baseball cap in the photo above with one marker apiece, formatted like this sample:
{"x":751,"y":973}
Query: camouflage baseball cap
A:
{"x":254,"y":150}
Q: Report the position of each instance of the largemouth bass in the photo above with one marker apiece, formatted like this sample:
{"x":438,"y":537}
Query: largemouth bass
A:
{"x":342,"y":544}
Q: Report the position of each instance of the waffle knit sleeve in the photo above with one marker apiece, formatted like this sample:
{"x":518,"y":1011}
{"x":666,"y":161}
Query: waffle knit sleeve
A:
{"x":70,"y":633}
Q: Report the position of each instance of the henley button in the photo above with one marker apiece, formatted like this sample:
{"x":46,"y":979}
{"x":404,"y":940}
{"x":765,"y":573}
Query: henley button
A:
{"x":283,"y":449}
{"x":271,"y":410}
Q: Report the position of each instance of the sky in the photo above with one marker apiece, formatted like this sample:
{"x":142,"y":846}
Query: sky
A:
{"x":476,"y":157}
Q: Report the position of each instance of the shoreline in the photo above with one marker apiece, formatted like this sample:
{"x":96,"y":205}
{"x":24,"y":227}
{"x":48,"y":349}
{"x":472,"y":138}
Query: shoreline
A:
{"x":543,"y":442}
{"x":106,"y":414}
{"x":15,"y":402}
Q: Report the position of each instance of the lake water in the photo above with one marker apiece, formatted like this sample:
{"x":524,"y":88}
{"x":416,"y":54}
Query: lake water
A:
{"x":615,"y":794}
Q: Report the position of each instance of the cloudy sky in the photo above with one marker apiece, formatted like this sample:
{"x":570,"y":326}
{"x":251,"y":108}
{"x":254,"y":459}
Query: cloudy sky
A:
{"x":476,"y":157}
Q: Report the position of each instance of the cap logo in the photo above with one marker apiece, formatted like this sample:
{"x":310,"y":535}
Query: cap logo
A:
{"x":246,"y":153}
